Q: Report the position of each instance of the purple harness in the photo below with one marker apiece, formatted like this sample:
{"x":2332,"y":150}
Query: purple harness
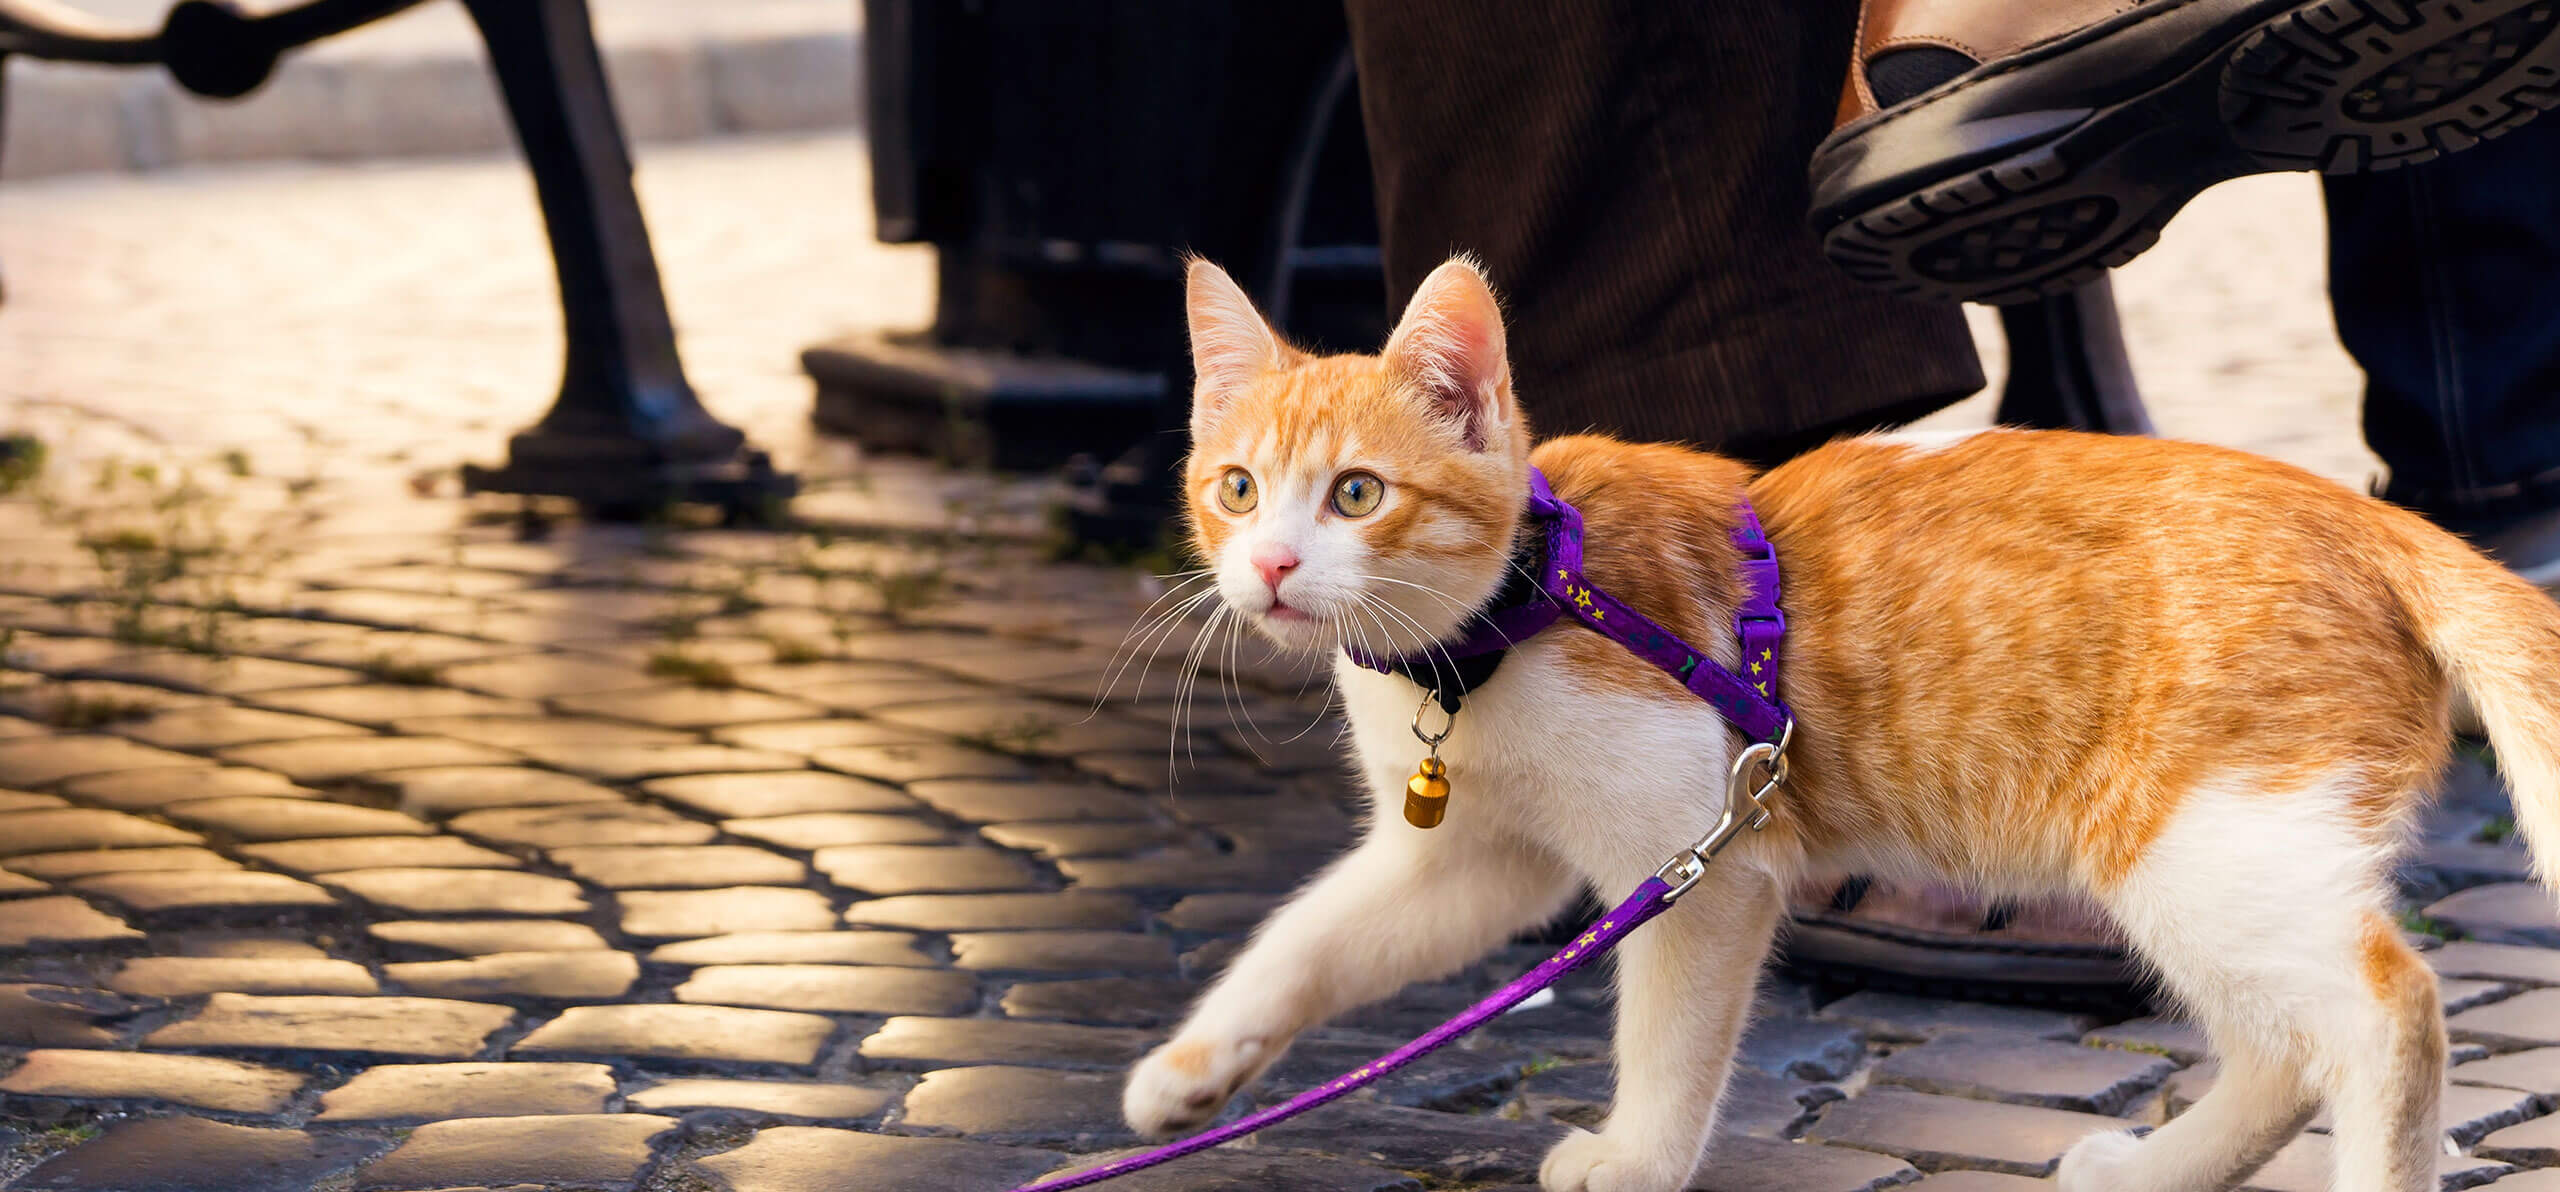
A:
{"x":1748,"y":703}
{"x":1747,"y":699}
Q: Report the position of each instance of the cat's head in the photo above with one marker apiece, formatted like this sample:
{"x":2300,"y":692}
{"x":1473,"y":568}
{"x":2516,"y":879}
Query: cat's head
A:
{"x":1363,"y":500}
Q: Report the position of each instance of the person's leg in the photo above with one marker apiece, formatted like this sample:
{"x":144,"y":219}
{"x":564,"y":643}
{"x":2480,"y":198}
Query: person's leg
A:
{"x":1631,"y":173}
{"x":2446,"y":284}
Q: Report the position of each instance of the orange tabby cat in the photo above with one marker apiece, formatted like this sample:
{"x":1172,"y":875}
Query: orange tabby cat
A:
{"x":2206,"y":689}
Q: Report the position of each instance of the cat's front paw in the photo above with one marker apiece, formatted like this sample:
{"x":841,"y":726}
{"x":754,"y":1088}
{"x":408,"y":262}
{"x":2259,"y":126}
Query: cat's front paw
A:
{"x":1605,"y":1162}
{"x":2100,"y":1163}
{"x":1180,"y":1086}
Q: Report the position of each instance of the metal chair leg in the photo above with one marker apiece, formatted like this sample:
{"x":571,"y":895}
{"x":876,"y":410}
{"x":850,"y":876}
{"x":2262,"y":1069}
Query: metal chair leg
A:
{"x":2067,"y":366}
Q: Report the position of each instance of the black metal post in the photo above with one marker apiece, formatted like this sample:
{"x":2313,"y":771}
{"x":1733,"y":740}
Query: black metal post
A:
{"x":627,"y":435}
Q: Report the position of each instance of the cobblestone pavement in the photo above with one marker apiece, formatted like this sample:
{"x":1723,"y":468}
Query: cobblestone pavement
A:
{"x":351,"y":839}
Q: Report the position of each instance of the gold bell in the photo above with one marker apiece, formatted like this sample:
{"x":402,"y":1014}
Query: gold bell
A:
{"x":1426,"y":794}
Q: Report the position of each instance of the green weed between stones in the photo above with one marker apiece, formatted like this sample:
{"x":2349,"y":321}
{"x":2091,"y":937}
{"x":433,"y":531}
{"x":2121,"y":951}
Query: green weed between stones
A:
{"x":692,"y":668}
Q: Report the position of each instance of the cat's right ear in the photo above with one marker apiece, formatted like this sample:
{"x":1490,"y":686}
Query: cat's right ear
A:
{"x":1231,"y":344}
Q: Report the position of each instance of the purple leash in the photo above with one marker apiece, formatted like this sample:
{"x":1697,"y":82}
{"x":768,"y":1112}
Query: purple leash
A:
{"x":1650,"y":899}
{"x":1747,"y":698}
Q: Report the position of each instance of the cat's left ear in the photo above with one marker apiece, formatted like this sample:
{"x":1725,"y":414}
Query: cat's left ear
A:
{"x":1450,"y":345}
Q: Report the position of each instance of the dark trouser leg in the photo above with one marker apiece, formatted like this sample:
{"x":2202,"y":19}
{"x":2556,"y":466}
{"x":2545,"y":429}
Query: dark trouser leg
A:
{"x":2446,"y":282}
{"x":1632,"y":172}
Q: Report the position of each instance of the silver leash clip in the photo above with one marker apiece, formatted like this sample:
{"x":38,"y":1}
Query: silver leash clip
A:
{"x":1757,"y":773}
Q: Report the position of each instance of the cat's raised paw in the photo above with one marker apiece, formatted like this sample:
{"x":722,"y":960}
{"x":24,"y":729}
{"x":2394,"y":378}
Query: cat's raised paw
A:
{"x":2099,"y":1163}
{"x":1181,"y":1086}
{"x":1588,"y":1162}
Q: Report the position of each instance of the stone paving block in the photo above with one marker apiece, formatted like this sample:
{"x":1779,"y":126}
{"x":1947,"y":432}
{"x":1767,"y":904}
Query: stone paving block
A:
{"x":523,"y":732}
{"x":1935,"y":1133}
{"x":832,"y":989}
{"x":2178,"y":1039}
{"x":1080,"y":1110}
{"x":1073,"y":839}
{"x":2506,"y":913}
{"x":12,"y":884}
{"x":1452,"y":1079}
{"x":189,"y":976}
{"x":482,"y":937}
{"x":2457,"y":994}
{"x":792,"y":676}
{"x":942,"y":1042}
{"x":426,"y":891}
{"x":791,"y":792}
{"x":811,"y":736}
{"x":583,"y":824}
{"x":1979,"y":1181}
{"x":2497,"y":962}
{"x":58,"y":920}
{"x":776,"y":1098}
{"x":57,"y":1016}
{"x":401,"y":1026}
{"x":603,"y":1152}
{"x":1245,"y":1170}
{"x":996,"y":912}
{"x":863,"y":697}
{"x":266,"y":817}
{"x":380,"y":705}
{"x":64,"y":866}
{"x":685,"y":914}
{"x":22,"y":801}
{"x":201,"y":1081}
{"x":581,"y":976}
{"x":2547,"y":1180}
{"x":813,"y":1159}
{"x":678,"y":866}
{"x":53,"y":831}
{"x":2025,"y":1070}
{"x":1194,"y":869}
{"x":1740,"y":1163}
{"x":1102,"y":1001}
{"x":235,"y":675}
{"x":629,"y":763}
{"x":546,"y":676}
{"x":810,"y":831}
{"x":332,"y":759}
{"x":340,"y":854}
{"x":394,"y":1093}
{"x":439,"y":792}
{"x":2304,"y":1165}
{"x":1804,"y":1048}
{"x":216,"y":944}
{"x":2536,"y":1071}
{"x":214,"y":726}
{"x":1223,"y":913}
{"x":1903,"y":1018}
{"x":726,"y":1033}
{"x":150,"y":790}
{"x":172,"y":1154}
{"x":1001,"y":802}
{"x":174,"y":891}
{"x":39,"y":762}
{"x":1447,"y":1145}
{"x":892,"y":948}
{"x":920,"y":762}
{"x":692,"y":707}
{"x":924,"y":869}
{"x":1062,"y":952}
{"x":2525,"y":1020}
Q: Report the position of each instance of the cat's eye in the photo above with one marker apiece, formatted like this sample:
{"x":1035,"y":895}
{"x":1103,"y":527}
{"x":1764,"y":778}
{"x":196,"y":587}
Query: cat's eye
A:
{"x":1356,"y":494}
{"x":1236,"y":493}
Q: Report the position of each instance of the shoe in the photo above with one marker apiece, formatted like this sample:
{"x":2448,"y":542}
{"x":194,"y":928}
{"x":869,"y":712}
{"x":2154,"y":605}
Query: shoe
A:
{"x":1990,"y":151}
{"x":1939,"y":941}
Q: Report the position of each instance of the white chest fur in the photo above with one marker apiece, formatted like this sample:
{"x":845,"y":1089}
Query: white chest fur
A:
{"x":1609,"y":783}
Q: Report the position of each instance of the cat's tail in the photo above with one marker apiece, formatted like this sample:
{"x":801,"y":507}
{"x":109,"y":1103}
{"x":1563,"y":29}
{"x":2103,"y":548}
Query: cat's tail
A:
{"x":2499,"y":638}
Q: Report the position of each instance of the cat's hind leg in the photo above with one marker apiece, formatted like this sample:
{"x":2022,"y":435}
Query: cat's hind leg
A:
{"x":2263,"y":912}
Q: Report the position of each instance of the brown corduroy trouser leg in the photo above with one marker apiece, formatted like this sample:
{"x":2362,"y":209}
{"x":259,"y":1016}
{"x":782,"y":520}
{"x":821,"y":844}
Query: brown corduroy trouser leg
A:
{"x":1632,"y":174}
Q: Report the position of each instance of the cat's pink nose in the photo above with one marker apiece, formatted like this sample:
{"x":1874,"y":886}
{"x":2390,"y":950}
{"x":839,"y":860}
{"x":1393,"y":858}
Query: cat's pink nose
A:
{"x":1275,"y":562}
